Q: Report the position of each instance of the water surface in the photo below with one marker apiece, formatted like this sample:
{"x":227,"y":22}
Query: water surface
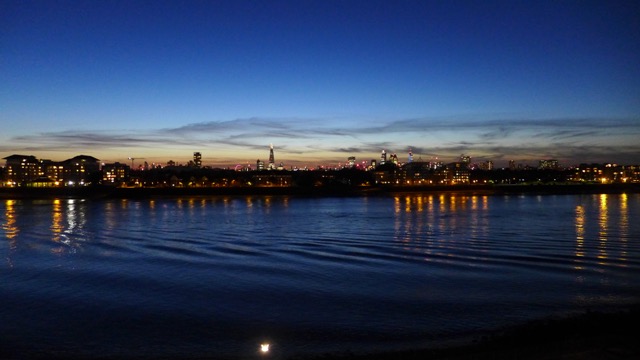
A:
{"x":217,"y":276}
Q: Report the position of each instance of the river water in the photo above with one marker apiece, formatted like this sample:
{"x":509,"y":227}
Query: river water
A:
{"x":217,"y":276}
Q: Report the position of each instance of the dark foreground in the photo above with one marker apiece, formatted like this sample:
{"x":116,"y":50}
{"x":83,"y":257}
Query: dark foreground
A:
{"x":591,"y":336}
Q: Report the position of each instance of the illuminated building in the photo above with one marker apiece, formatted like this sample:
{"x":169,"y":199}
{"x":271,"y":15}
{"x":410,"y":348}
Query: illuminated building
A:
{"x":512,"y":164}
{"x":383,"y":157}
{"x":455,"y":173}
{"x":197,"y":159}
{"x":394,"y":159}
{"x":465,"y":159}
{"x":410,"y":156}
{"x":272,"y":160}
{"x":351,"y":161}
{"x":53,"y":170}
{"x":78,"y":170}
{"x":417,"y":173}
{"x":271,"y":180}
{"x":259,"y":165}
{"x":548,"y":165}
{"x":487,"y":165}
{"x":22,"y":169}
{"x":115,"y":174}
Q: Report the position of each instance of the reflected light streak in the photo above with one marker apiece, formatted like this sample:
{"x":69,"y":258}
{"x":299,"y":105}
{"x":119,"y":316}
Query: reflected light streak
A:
{"x":71,"y":215}
{"x":10,"y":228}
{"x":603,"y":222}
{"x":624,"y":226}
{"x":580,"y":222}
{"x":56,"y":221}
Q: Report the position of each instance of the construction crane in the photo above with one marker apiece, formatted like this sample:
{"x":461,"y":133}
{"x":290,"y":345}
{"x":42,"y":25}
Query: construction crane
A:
{"x":132,"y":158}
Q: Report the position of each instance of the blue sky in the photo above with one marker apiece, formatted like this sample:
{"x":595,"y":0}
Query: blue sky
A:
{"x":321,"y":80}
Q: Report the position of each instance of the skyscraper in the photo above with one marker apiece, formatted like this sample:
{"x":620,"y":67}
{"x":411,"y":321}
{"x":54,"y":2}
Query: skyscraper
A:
{"x":272,"y":160}
{"x":394,"y":158}
{"x":383,"y":157}
{"x":197,"y":159}
{"x":410,"y":156}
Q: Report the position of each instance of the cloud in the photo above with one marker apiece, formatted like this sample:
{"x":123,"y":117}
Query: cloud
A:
{"x":571,"y":139}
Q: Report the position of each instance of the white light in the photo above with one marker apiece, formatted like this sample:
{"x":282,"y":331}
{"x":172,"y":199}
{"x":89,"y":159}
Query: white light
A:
{"x":264,"y":348}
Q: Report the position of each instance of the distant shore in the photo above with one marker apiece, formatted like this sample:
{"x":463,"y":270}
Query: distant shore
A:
{"x":126,"y":193}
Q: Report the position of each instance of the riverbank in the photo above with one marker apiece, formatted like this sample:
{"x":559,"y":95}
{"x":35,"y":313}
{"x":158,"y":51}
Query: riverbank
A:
{"x":129,"y":193}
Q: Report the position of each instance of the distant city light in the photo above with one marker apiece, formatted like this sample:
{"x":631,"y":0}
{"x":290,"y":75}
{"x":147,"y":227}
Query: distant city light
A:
{"x":264,"y":348}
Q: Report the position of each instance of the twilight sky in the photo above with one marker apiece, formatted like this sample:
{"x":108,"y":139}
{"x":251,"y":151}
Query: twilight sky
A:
{"x":321,"y":80}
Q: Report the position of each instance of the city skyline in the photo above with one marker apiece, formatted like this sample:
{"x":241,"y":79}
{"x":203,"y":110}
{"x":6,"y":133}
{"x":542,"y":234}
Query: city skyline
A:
{"x":322,"y":81}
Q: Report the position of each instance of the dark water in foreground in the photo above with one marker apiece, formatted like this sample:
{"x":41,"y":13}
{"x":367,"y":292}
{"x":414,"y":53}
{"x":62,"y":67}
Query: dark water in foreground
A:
{"x":218,"y":276}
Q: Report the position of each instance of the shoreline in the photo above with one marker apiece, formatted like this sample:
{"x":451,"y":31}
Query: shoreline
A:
{"x":98,"y":192}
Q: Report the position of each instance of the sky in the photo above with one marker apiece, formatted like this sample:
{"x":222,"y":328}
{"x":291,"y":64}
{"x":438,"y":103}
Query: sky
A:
{"x":321,"y":80}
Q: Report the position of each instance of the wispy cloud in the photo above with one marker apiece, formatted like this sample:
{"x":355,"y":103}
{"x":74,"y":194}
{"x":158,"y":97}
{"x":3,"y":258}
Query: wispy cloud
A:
{"x":563,"y":138}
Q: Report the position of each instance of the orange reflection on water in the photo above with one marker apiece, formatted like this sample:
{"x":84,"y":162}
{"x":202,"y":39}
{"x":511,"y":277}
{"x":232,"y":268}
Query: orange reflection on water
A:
{"x":603,"y":222}
{"x":56,"y":221}
{"x":579,"y":223}
{"x":10,"y":228}
{"x":624,"y":226}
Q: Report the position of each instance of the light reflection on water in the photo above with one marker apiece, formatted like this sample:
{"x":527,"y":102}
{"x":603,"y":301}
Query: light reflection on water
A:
{"x":355,"y":273}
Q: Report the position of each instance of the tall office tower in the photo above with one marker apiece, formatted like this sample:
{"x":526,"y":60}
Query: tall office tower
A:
{"x":351,"y":161}
{"x":410,"y":156}
{"x":394,"y":158}
{"x":383,"y":157}
{"x":512,"y":164}
{"x":272,"y":161}
{"x":260,"y":165}
{"x":197,"y":159}
{"x":465,"y":159}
